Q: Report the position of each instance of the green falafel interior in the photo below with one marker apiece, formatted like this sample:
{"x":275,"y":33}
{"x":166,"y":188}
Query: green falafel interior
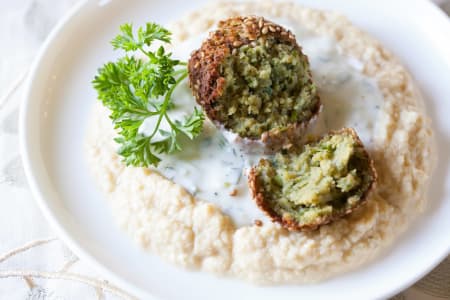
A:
{"x":311,"y":187}
{"x":267,"y":86}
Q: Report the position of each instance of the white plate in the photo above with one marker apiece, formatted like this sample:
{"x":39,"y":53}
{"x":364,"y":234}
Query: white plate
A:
{"x":53,"y":124}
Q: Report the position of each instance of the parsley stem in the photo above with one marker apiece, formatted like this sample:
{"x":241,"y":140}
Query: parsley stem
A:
{"x":142,"y":112}
{"x":169,"y":95}
{"x":167,"y":98}
{"x":180,"y":71}
{"x":144,"y":52}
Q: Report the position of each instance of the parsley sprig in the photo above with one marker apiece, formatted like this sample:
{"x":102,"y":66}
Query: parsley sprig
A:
{"x":135,"y":89}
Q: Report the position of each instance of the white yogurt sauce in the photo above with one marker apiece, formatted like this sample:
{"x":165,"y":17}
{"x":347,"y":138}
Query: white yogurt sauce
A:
{"x":214,"y":170}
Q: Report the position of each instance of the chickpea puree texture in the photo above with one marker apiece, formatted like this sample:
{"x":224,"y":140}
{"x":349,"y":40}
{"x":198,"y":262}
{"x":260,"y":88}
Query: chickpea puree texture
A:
{"x":203,"y":217}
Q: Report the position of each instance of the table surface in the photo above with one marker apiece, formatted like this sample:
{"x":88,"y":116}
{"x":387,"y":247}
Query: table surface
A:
{"x":34,"y":263}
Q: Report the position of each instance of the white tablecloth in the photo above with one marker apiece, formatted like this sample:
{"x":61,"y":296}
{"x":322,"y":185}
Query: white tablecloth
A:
{"x":34,"y":264}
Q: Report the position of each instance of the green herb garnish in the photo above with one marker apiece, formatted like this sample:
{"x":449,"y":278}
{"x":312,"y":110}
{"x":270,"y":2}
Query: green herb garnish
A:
{"x":135,"y":89}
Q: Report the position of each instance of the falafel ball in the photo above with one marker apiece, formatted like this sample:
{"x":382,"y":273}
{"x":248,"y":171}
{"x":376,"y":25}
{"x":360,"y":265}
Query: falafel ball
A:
{"x":315,"y":185}
{"x":251,"y":76}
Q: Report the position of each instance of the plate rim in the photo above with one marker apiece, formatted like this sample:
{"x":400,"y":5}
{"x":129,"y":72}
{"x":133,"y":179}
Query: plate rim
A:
{"x":24,"y":150}
{"x":61,"y":230}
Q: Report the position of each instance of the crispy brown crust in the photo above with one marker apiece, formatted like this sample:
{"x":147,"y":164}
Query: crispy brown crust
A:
{"x":207,"y":84}
{"x":257,"y":191}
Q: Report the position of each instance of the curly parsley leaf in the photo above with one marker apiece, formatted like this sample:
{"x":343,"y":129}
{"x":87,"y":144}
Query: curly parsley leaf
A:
{"x":145,"y":36}
{"x":136,"y":89}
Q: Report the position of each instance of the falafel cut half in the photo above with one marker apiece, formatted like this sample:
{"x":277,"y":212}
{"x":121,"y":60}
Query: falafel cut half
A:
{"x":315,"y":185}
{"x":251,"y":77}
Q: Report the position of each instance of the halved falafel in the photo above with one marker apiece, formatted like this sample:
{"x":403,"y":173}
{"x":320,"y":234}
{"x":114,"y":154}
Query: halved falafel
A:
{"x":251,"y":76}
{"x":319,"y":183}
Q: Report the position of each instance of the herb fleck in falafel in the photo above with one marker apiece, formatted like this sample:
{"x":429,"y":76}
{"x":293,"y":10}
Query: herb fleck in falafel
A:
{"x":251,"y":76}
{"x":324,"y":181}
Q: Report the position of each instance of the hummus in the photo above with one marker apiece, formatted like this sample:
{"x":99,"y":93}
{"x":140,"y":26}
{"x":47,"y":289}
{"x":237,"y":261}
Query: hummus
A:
{"x":198,"y":214}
